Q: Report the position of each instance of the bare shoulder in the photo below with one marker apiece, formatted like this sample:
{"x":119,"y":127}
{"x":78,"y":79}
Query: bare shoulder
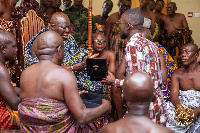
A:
{"x":3,"y":72}
{"x":110,"y":53}
{"x":180,"y":15}
{"x":178,"y":72}
{"x":113,"y":18}
{"x":158,"y":129}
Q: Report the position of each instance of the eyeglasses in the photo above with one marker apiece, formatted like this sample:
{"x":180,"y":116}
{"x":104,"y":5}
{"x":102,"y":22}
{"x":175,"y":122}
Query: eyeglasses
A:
{"x":99,"y":41}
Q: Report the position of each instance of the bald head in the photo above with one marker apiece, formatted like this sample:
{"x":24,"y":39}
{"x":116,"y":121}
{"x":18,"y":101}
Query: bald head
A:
{"x":60,"y":23}
{"x":96,"y":34}
{"x":193,"y":46}
{"x":172,"y":3}
{"x":138,"y":87}
{"x":134,"y":17}
{"x":6,"y":38}
{"x":48,"y":44}
{"x":59,"y":17}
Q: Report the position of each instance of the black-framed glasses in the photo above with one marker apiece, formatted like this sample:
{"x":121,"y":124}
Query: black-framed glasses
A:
{"x":99,"y":41}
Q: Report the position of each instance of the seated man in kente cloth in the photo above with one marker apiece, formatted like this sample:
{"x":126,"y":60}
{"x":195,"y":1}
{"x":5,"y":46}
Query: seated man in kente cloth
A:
{"x":138,"y":93}
{"x":53,"y":106}
{"x":185,"y":93}
{"x":59,"y":23}
{"x":176,"y":31}
{"x":85,"y":83}
{"x":9,"y":98}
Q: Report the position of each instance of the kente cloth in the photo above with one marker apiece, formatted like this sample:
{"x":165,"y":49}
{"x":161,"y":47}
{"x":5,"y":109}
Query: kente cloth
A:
{"x":100,"y":28}
{"x":156,"y":31}
{"x":78,"y":16}
{"x":6,"y":116}
{"x":117,"y":44}
{"x":6,"y":25}
{"x":142,"y":55}
{"x":45,"y":115}
{"x":170,"y":67}
{"x":190,"y":98}
{"x":70,"y":49}
{"x":172,"y":43}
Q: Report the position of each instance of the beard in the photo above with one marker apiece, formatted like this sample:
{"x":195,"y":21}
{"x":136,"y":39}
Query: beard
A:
{"x":123,"y":36}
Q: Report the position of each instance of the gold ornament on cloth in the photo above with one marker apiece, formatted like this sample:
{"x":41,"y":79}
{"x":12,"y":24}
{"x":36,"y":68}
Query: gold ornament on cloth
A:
{"x":183,"y":115}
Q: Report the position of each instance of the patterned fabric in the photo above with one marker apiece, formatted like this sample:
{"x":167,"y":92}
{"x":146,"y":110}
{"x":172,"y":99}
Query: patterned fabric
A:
{"x":170,"y":67}
{"x":190,"y":98}
{"x":142,"y":55}
{"x":70,"y":50}
{"x":117,"y":44}
{"x":45,"y":115}
{"x":6,"y":25}
{"x":172,"y":43}
{"x":6,"y":121}
{"x":100,"y":28}
{"x":156,"y":31}
{"x":4,"y":115}
{"x":79,"y":18}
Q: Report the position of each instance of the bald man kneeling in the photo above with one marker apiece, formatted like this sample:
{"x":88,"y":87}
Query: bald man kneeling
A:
{"x":138,"y":93}
{"x":50,"y":98}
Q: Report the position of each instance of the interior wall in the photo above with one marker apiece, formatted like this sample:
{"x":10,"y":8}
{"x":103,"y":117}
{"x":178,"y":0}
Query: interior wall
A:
{"x":97,"y":6}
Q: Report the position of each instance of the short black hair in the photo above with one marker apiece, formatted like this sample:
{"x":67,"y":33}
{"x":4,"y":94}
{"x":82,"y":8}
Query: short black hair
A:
{"x":134,"y":17}
{"x":160,"y":0}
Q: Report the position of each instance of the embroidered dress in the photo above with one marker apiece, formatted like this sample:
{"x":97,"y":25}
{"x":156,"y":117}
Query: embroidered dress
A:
{"x":142,"y":55}
{"x":190,"y":98}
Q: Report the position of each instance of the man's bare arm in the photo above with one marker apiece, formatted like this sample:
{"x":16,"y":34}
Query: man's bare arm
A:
{"x":153,"y":22}
{"x":108,"y":25}
{"x":7,"y":91}
{"x":75,"y":104}
{"x":184,"y":21}
{"x":174,"y":89}
{"x":163,"y":69}
{"x":112,"y":67}
{"x":120,"y":74}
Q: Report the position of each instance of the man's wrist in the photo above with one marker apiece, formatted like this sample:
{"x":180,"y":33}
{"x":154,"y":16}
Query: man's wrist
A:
{"x":118,"y":83}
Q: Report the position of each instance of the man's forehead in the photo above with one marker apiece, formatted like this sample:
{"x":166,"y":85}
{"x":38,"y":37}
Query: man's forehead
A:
{"x":171,"y":4}
{"x":125,"y":2}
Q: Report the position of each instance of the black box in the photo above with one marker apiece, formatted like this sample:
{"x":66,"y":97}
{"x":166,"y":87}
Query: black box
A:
{"x":96,"y":68}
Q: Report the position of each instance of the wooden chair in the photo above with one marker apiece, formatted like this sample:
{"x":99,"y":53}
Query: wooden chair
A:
{"x":28,"y":19}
